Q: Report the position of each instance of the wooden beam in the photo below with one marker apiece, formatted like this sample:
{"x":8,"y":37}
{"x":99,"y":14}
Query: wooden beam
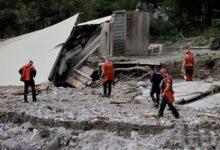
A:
{"x":82,"y":74}
{"x":84,"y":59}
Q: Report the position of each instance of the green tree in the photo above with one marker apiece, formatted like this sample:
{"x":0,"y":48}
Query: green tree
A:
{"x":7,"y":17}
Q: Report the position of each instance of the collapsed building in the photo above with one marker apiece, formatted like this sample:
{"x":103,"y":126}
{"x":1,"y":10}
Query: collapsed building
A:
{"x":59,"y":55}
{"x":125,"y":33}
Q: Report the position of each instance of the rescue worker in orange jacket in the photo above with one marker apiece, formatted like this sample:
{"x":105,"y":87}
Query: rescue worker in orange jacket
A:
{"x":28,"y":72}
{"x":107,"y":77}
{"x":167,"y":94}
{"x":188,"y":65}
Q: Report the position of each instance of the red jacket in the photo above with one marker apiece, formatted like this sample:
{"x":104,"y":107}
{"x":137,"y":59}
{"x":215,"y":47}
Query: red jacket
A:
{"x":27,"y":72}
{"x":189,"y":61}
{"x":169,"y":93}
{"x":108,"y":70}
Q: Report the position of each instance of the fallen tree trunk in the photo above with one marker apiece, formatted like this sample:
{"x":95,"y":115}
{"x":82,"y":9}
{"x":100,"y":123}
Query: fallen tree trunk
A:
{"x":125,"y":102}
{"x":38,"y":88}
{"x":136,"y":68}
{"x":209,"y":115}
{"x":145,"y":75}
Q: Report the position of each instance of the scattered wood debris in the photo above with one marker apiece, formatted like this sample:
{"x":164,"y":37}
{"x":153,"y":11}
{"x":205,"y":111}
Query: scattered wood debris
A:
{"x":102,"y":117}
{"x":147,"y":115}
{"x":126,"y":102}
{"x":209,"y":115}
{"x":38,"y":88}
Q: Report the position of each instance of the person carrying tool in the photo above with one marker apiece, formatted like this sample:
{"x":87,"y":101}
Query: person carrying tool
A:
{"x":28,"y":72}
{"x":156,"y":78}
{"x":188,"y":65}
{"x":167,"y":94}
{"x":107,"y":77}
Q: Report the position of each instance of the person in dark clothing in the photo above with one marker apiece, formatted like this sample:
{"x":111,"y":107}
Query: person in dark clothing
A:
{"x":28,"y":72}
{"x":156,"y":78}
{"x":107,"y":77}
{"x":167,"y":94}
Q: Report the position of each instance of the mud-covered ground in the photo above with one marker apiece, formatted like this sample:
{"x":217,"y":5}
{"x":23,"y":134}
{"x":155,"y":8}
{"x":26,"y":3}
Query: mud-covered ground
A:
{"x":68,"y":118}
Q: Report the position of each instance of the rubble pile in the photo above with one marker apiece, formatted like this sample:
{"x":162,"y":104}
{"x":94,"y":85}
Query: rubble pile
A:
{"x":70,"y":118}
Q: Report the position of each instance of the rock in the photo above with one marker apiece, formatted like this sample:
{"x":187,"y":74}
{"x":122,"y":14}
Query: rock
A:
{"x":72,"y":144}
{"x":28,"y":126}
{"x":3,"y":135}
{"x":74,"y":138}
{"x":134,"y":135}
{"x":54,"y":144}
{"x":35,"y":138}
{"x":64,"y":136}
{"x":15,"y":144}
{"x":142,"y":83}
{"x":14,"y":131}
{"x":139,"y":98}
{"x":44,"y":132}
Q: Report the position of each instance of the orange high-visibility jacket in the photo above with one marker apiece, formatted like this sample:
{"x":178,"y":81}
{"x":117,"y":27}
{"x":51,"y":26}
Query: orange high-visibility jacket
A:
{"x":169,"y":93}
{"x":189,"y":61}
{"x":108,"y":70}
{"x":26,"y":72}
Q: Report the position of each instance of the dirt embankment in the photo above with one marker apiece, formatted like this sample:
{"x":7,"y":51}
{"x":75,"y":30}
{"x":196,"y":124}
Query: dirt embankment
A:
{"x":204,"y":68}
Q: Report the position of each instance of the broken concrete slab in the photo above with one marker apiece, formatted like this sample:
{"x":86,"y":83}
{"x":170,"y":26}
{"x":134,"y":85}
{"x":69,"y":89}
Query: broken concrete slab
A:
{"x":212,"y":101}
{"x":188,"y":91}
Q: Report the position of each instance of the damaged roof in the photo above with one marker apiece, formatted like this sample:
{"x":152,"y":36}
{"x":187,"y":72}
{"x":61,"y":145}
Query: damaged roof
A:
{"x":41,"y":46}
{"x":96,"y":21}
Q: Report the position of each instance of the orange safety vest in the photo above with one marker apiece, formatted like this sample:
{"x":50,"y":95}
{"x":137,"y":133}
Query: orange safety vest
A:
{"x":189,"y":61}
{"x":169,"y":93}
{"x":108,"y":69}
{"x":26,"y":72}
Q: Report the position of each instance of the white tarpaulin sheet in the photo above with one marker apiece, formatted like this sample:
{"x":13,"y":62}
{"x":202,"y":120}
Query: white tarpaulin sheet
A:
{"x":39,"y":46}
{"x":96,"y":21}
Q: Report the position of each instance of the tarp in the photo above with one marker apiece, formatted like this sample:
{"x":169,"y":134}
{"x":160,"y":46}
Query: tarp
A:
{"x":39,"y":46}
{"x":96,"y":21}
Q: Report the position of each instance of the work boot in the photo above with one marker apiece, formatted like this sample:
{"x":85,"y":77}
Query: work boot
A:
{"x":34,"y":99}
{"x":156,"y":105}
{"x":177,"y":117}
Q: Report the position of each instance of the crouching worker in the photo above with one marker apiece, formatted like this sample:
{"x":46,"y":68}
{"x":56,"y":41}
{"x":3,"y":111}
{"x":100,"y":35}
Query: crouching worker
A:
{"x":167,"y":94}
{"x":107,"y":77}
{"x":28,"y":72}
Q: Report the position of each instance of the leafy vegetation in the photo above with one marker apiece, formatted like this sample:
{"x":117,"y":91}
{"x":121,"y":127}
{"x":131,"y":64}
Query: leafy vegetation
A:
{"x":185,"y":17}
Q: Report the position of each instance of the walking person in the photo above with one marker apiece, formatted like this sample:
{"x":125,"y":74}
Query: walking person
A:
{"x":156,"y":78}
{"x":107,"y":77}
{"x":167,"y":94}
{"x":188,"y":65}
{"x":28,"y":72}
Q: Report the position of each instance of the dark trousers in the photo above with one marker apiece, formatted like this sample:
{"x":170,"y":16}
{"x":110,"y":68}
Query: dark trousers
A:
{"x":163,"y":104}
{"x":107,"y":85}
{"x":32,"y":85}
{"x":152,"y":92}
{"x":189,"y":74}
